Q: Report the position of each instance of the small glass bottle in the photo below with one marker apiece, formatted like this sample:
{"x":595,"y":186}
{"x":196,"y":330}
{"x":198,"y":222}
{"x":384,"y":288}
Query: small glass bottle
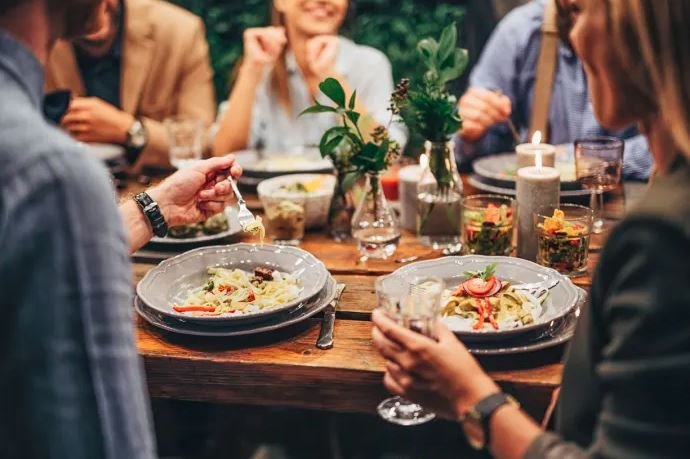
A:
{"x":374,"y":225}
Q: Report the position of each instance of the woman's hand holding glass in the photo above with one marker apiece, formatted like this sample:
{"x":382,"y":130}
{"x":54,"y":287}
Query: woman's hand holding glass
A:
{"x":440,"y":375}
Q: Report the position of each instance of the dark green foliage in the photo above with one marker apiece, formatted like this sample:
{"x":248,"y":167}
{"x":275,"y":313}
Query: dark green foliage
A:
{"x":393,"y":26}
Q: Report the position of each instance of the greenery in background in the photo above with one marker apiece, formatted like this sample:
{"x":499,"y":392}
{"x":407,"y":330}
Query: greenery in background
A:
{"x":394,"y":27}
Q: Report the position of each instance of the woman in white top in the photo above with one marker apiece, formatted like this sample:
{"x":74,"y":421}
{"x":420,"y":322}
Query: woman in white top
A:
{"x":280,"y":73}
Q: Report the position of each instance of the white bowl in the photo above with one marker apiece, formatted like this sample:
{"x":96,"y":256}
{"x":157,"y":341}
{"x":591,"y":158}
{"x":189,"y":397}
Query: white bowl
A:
{"x":317,"y":203}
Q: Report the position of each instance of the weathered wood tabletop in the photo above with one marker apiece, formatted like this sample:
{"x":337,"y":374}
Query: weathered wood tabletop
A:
{"x":286,"y":369}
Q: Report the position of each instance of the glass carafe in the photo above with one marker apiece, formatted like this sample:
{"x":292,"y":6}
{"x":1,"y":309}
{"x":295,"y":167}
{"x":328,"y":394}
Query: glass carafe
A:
{"x":374,"y":225}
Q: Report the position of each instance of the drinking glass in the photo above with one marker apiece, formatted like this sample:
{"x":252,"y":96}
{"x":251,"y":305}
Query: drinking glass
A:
{"x":598,"y":165}
{"x":285,"y":219}
{"x":186,"y":138}
{"x":563,"y":244}
{"x":418,"y":312}
{"x":487,"y":222}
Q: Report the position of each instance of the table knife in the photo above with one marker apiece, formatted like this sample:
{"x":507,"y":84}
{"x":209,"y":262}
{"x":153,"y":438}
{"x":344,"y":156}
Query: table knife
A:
{"x":325,"y":340}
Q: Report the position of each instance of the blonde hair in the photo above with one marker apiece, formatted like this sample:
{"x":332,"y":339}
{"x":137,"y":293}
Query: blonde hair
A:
{"x":659,"y":30}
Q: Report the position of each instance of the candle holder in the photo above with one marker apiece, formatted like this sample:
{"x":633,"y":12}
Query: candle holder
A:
{"x":537,"y":187}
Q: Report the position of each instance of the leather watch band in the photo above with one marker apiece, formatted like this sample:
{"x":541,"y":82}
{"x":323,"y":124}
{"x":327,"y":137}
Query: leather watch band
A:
{"x":153,"y":213}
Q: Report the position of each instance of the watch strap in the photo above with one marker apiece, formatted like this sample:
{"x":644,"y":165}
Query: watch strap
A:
{"x":486,"y":408}
{"x":153,"y":213}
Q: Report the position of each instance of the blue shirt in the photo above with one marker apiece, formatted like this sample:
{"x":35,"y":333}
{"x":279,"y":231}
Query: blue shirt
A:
{"x":509,"y":64}
{"x":71,"y":383}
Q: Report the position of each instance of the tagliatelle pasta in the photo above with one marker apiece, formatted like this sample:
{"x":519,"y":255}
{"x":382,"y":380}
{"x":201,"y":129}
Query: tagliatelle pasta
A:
{"x":233,"y":291}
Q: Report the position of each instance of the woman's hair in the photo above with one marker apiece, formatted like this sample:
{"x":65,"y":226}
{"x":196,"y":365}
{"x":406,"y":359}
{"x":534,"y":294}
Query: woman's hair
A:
{"x":279,"y":75}
{"x":652,"y":38}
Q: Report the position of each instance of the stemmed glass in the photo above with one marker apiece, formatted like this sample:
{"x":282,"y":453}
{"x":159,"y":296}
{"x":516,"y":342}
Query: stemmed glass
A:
{"x":598,"y":166}
{"x":418,"y":312}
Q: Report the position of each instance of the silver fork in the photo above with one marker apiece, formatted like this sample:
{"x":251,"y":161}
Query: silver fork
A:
{"x":244,"y":216}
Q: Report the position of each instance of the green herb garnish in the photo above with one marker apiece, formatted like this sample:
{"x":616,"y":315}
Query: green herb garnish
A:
{"x":209,"y":286}
{"x":485,"y":275}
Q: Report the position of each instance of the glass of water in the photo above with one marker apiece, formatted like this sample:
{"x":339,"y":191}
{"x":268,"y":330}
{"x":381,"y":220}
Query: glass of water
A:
{"x":418,"y":312}
{"x":598,"y":165}
{"x":186,"y":140}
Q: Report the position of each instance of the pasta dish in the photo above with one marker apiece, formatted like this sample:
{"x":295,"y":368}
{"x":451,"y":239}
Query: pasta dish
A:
{"x":233,"y":291}
{"x":484,"y":302}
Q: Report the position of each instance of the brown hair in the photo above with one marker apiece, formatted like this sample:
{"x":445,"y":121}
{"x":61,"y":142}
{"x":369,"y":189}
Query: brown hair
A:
{"x":652,"y":39}
{"x":279,"y":75}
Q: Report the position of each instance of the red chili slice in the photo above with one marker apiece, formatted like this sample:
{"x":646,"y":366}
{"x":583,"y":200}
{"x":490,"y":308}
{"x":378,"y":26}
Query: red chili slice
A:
{"x":480,"y":322}
{"x":194,"y":308}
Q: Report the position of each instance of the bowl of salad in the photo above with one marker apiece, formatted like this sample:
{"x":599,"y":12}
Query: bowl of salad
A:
{"x":487,"y":224}
{"x":314,"y":190}
{"x":563,"y":235}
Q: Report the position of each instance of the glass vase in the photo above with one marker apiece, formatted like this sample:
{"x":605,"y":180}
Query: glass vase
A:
{"x":341,"y":210}
{"x":439,"y":192}
{"x":374,"y":225}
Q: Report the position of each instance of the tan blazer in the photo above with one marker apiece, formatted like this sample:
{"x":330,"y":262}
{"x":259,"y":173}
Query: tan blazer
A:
{"x":165,"y":70}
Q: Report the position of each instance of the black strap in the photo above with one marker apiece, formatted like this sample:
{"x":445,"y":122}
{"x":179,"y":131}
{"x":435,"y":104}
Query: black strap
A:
{"x":150,"y":208}
{"x":487,"y":407}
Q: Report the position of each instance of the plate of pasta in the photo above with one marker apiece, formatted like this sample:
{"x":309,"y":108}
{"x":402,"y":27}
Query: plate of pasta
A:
{"x":240,"y":282}
{"x":484,"y":298}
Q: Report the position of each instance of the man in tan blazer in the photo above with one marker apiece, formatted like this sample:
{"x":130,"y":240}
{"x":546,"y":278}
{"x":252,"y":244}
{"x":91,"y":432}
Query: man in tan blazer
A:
{"x":149,"y":63}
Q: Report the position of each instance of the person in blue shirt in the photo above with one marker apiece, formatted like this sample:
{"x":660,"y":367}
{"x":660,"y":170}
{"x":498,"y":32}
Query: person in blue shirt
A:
{"x":502,"y":87}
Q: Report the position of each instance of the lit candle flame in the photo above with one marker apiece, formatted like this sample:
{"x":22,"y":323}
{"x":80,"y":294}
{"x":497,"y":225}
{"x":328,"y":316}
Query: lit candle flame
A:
{"x":536,"y":138}
{"x":423,"y":160}
{"x":537,"y":160}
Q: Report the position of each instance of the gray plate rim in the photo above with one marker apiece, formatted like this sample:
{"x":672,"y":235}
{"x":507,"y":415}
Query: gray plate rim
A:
{"x":312,"y":307}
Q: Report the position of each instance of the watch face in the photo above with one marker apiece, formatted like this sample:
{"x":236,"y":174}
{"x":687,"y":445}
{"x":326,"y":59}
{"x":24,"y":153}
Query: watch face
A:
{"x":474,"y":432}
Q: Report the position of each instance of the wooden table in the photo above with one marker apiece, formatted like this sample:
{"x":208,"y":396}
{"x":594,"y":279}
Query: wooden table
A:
{"x":286,"y":369}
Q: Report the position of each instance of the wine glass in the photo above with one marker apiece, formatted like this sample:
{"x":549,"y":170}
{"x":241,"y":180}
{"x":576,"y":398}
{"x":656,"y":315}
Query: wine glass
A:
{"x":418,"y":312}
{"x":598,"y":166}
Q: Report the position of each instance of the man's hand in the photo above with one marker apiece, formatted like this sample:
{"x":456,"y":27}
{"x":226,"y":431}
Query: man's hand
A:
{"x":480,"y":109}
{"x":90,"y":119}
{"x":322,"y":52}
{"x":193,"y":195}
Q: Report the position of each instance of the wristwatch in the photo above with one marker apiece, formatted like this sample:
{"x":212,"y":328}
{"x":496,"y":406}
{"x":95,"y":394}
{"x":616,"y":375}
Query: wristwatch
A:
{"x":475,"y":422}
{"x":137,"y":136}
{"x":153,"y":213}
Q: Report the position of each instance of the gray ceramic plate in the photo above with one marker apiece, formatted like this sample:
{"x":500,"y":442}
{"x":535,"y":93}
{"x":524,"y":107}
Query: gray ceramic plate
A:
{"x":302,"y":312}
{"x":169,"y":282}
{"x":502,"y":168}
{"x":480,"y":184}
{"x":563,"y":297}
{"x":559,"y":333}
{"x":233,"y":229}
{"x":267,"y":164}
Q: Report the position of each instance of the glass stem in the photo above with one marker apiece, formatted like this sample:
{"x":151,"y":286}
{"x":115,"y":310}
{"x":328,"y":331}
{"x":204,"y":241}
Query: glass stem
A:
{"x":597,"y":204}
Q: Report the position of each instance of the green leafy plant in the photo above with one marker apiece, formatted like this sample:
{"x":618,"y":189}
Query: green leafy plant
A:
{"x":428,"y":107}
{"x":352,"y":154}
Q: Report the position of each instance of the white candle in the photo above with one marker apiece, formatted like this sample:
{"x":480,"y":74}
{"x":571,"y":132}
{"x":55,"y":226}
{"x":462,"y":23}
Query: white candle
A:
{"x":527,"y":152}
{"x":409,"y":177}
{"x":537,"y":186}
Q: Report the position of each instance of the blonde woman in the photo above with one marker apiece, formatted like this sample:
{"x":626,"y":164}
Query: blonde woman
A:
{"x":280,"y":72}
{"x":625,"y":384}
